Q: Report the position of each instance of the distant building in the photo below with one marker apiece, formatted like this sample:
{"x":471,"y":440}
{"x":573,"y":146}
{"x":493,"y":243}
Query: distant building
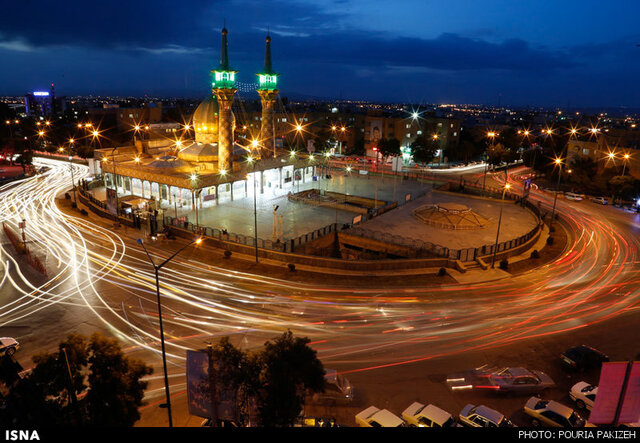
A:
{"x":40,"y":103}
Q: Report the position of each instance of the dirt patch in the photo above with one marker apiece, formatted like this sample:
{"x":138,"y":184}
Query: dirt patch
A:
{"x":546,"y":254}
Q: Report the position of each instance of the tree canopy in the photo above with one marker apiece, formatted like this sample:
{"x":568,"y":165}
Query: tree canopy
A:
{"x":86,"y":382}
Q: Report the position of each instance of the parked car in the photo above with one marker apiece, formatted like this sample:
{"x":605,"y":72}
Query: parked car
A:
{"x":483,"y":417}
{"x":552,"y":413}
{"x":8,"y":346}
{"x":573,"y":197}
{"x":337,"y":389}
{"x":373,"y":417}
{"x":520,"y":380}
{"x":580,"y":358}
{"x":429,"y":416}
{"x":600,"y":200}
{"x":584,"y":395}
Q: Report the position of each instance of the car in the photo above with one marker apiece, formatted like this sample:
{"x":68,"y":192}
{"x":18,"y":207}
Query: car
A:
{"x":429,"y":416}
{"x":519,"y":380}
{"x":373,"y":417}
{"x":584,"y":395}
{"x":8,"y":346}
{"x":583,"y":357}
{"x":481,"y":416}
{"x":600,"y":200}
{"x":551,"y":413}
{"x":573,"y":197}
{"x":337,"y":389}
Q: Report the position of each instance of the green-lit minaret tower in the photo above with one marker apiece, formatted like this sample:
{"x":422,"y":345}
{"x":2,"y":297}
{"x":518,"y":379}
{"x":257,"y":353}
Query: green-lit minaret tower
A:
{"x":268,"y":90}
{"x":223,"y":85}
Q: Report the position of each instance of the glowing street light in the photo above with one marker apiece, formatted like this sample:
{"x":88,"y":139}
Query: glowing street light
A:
{"x":557,"y":162}
{"x":495,"y":247}
{"x":157,"y":268}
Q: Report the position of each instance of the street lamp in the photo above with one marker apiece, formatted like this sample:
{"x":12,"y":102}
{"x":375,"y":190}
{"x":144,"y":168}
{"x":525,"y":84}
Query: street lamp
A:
{"x":626,"y":158}
{"x":558,"y":162}
{"x":255,"y":207}
{"x":73,"y":181}
{"x":495,"y":248}
{"x":115,"y":184}
{"x":164,"y":355}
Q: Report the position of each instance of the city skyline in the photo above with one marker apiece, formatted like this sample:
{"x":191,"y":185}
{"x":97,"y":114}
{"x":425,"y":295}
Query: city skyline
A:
{"x":420,"y":52}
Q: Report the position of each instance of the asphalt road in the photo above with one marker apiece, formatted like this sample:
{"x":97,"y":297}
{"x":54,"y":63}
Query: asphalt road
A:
{"x":395,"y":343}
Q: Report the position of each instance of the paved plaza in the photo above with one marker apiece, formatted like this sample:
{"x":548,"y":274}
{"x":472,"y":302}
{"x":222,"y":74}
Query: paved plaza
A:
{"x":298,"y":218}
{"x":516,"y":221}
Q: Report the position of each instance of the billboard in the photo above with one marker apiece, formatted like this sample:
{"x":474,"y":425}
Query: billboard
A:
{"x":376,"y":132}
{"x":112,"y":201}
{"x":200,"y":393}
{"x":527,"y":188}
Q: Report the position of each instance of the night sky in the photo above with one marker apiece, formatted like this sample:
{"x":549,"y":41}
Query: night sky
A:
{"x":540,"y":53}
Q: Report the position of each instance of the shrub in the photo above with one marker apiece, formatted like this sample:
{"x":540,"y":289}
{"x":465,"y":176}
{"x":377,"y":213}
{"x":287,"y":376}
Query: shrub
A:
{"x":442,"y":272}
{"x":291,"y":267}
{"x":83,"y":211}
{"x":504,"y":264}
{"x":67,"y":196}
{"x":74,"y":205}
{"x":227,"y":254}
{"x":535,"y":254}
{"x":550,"y":240}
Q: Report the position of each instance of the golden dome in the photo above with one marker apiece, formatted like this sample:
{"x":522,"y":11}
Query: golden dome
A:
{"x":205,"y":119}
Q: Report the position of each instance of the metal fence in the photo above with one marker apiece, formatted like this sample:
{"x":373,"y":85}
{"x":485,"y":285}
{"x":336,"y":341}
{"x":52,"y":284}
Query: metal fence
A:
{"x":250,"y":240}
{"x":423,"y":249}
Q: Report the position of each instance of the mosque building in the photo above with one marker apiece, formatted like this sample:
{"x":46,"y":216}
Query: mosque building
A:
{"x":212,"y":167}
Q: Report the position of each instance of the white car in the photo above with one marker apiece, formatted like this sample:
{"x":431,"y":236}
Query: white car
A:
{"x":600,"y":200}
{"x":483,"y":417}
{"x":8,"y":346}
{"x":584,"y":395}
{"x":430,"y":416}
{"x":573,"y":197}
{"x":373,"y":417}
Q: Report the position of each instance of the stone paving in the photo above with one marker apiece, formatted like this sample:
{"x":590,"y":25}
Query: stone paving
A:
{"x":516,"y":221}
{"x":298,"y":218}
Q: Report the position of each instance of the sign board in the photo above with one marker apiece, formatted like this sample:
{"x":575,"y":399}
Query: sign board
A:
{"x":363,"y":172}
{"x":199,"y":392}
{"x":618,"y":394}
{"x":198,"y":388}
{"x":527,"y":188}
{"x":357,"y":219}
{"x":112,"y":201}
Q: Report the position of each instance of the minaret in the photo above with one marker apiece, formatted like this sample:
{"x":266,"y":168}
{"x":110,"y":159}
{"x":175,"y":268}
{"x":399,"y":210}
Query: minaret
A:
{"x":268,"y":92}
{"x":223,"y":86}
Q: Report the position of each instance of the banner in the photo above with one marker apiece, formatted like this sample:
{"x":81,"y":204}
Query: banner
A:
{"x":112,"y":201}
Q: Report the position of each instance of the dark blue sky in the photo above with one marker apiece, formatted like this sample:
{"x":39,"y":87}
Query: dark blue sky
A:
{"x":545,"y":52}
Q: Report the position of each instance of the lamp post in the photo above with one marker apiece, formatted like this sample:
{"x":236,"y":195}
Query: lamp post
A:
{"x":115,"y":185}
{"x":626,"y":158}
{"x":495,"y":248}
{"x":73,"y":181}
{"x":164,"y":355}
{"x":255,"y":207}
{"x":558,"y":162}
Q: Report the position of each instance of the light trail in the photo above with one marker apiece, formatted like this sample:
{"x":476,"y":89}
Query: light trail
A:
{"x":101,"y":274}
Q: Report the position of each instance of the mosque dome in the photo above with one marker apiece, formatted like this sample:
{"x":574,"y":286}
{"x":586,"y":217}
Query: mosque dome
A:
{"x":205,"y":120}
{"x":169,"y":162}
{"x":199,"y":152}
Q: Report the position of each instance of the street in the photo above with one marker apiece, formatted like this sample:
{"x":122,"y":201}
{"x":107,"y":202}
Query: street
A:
{"x":396,"y":343}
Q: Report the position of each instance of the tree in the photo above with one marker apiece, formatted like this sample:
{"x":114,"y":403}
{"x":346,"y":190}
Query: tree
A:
{"x":423,"y":149}
{"x":96,"y":367}
{"x":289,"y":367}
{"x":389,"y":147}
{"x":358,"y":147}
